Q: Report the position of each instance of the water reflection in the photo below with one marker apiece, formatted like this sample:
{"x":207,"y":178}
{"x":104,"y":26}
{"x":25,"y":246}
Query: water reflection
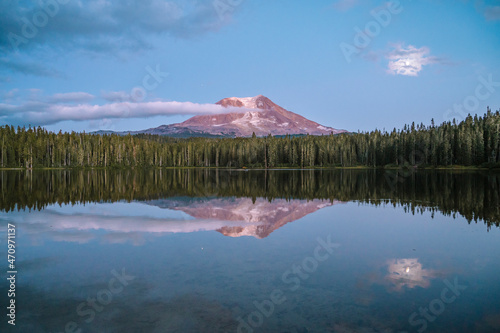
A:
{"x":83,"y":227}
{"x":408,"y":273}
{"x":135,"y":222}
{"x":82,"y":224}
{"x":473,"y":195}
{"x":251,"y":217}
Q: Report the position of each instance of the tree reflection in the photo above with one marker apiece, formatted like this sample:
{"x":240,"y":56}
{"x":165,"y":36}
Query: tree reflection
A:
{"x":474,"y":195}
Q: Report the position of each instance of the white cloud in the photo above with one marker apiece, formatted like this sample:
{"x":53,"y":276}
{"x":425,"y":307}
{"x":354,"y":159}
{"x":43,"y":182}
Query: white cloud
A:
{"x":40,"y":112}
{"x":409,"y":60}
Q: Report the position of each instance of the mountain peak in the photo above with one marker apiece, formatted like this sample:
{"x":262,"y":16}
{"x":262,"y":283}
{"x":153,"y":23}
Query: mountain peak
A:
{"x":257,"y":102}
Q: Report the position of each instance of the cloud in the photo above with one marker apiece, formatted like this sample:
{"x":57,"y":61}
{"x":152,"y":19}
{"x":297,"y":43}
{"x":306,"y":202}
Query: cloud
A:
{"x":27,"y":68}
{"x":371,"y":56}
{"x":97,"y":26}
{"x":39,"y":110}
{"x":492,"y":13}
{"x":490,"y":9}
{"x":72,"y":97}
{"x":35,"y":96}
{"x":11,"y":94}
{"x":116,"y":96}
{"x":410,"y":60}
{"x":345,"y":5}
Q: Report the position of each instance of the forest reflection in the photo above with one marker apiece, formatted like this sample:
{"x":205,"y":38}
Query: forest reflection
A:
{"x":473,"y":195}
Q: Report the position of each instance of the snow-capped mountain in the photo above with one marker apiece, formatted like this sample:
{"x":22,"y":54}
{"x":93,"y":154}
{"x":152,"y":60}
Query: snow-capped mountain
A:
{"x":262,"y":116}
{"x":258,"y":115}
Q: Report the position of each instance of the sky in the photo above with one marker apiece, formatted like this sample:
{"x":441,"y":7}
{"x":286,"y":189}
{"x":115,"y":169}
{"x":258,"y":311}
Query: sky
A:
{"x":358,"y":65}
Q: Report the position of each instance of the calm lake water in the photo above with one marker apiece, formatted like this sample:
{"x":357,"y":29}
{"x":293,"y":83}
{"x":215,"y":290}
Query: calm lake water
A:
{"x":252,"y":251}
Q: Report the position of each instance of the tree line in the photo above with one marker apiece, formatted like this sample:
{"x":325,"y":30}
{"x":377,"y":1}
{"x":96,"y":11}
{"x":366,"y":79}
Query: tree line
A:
{"x":474,"y":141}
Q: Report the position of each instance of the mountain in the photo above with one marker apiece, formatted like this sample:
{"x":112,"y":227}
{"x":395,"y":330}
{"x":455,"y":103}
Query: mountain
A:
{"x":258,"y":115}
{"x":261,"y":116}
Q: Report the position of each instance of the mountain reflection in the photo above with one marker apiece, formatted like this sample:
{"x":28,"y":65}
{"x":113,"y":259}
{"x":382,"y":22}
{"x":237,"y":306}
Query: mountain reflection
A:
{"x":232,"y":217}
{"x":253,"y":217}
{"x":290,"y":194}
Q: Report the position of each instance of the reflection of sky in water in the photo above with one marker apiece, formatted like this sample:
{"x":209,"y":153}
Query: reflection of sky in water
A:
{"x":132,"y":209}
{"x":408,"y":273}
{"x":389,"y":264}
{"x":122,"y":222}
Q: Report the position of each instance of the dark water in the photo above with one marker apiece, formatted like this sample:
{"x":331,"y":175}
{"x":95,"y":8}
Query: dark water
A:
{"x":252,"y":251}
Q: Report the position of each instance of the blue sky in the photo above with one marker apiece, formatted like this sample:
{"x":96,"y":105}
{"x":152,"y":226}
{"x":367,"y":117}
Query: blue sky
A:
{"x":349,"y":64}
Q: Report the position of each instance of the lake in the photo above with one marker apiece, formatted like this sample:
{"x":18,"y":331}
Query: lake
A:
{"x":211,"y":250}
